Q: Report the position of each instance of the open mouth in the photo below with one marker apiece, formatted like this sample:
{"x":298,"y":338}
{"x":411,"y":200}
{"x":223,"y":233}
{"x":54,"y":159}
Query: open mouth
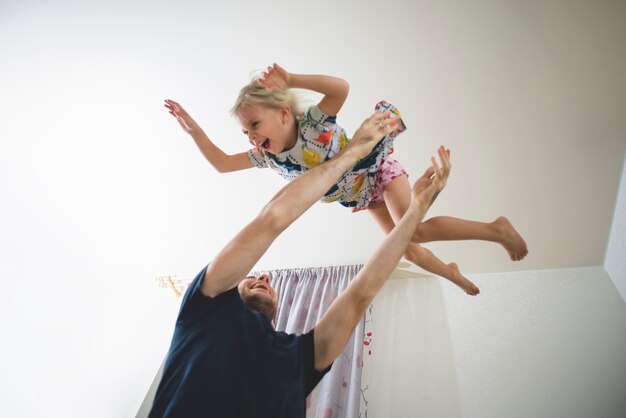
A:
{"x":260,"y":285}
{"x":265,"y":144}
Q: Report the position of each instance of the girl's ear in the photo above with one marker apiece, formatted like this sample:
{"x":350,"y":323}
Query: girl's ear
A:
{"x":285,"y":113}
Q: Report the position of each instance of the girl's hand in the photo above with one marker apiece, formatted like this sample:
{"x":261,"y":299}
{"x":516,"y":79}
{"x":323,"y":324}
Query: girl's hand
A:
{"x":186,"y":122}
{"x":275,"y":78}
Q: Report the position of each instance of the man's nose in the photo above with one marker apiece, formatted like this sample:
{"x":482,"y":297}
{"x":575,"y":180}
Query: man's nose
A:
{"x":264,"y":278}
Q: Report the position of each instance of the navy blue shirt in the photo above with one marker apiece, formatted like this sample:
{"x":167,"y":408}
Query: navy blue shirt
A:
{"x":226,"y":360}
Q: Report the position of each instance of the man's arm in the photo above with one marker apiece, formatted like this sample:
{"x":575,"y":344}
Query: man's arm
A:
{"x":343,"y":315}
{"x":242,"y":253}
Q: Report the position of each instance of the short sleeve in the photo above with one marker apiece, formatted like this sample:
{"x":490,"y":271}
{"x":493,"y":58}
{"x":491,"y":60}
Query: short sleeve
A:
{"x":318,"y":132}
{"x":311,"y":376}
{"x":315,"y":115}
{"x":256,"y":159}
{"x":195,"y":305}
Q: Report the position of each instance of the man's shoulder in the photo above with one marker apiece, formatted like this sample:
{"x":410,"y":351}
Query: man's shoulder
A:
{"x":197,"y":305}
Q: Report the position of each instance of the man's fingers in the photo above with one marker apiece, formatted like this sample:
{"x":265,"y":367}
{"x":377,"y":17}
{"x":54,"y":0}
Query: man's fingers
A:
{"x":446,"y":160}
{"x":444,"y":153}
{"x":435,"y":166}
{"x":385,"y":122}
{"x":379,"y":116}
{"x":429,"y":172}
{"x":444,"y":157}
{"x":388,"y":128}
{"x":376,"y":117}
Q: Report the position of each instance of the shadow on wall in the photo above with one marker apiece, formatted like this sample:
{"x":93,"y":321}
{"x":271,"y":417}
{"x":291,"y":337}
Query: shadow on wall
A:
{"x":411,"y":366}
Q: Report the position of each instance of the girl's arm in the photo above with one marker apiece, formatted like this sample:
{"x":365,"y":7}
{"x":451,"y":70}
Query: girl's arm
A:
{"x":221,"y":161}
{"x":335,"y":90}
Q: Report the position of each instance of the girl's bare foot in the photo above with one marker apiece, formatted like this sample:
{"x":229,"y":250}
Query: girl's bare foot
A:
{"x":511,"y":240}
{"x":458,"y":279}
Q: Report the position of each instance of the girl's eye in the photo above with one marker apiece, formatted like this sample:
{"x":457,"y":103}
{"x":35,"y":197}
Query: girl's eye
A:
{"x":244,"y":132}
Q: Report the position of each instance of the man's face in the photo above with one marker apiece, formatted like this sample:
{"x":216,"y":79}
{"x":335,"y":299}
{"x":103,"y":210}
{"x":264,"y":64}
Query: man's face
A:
{"x":258,"y":295}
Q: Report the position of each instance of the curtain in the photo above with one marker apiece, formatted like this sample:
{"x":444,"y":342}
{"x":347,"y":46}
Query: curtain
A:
{"x":304,"y":294}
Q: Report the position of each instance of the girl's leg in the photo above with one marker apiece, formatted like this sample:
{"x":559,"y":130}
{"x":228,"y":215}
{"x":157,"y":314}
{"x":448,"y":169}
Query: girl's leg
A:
{"x":446,"y":228}
{"x":415,"y":253}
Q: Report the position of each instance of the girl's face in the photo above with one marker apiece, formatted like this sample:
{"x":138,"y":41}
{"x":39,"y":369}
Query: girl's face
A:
{"x":268,"y":129}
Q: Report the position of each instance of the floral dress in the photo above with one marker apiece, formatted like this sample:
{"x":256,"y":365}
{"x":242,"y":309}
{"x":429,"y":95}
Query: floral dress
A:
{"x":319,"y":139}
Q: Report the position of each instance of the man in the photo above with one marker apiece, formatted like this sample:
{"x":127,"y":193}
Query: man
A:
{"x":225,"y":359}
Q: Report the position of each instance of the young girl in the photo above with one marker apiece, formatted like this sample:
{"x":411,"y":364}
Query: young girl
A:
{"x":291,"y":141}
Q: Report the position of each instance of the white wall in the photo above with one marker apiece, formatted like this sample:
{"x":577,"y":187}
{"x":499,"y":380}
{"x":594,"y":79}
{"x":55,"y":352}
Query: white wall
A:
{"x":615,"y":261}
{"x":548,"y":343}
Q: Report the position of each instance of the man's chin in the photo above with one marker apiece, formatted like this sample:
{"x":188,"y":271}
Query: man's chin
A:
{"x":262,"y":303}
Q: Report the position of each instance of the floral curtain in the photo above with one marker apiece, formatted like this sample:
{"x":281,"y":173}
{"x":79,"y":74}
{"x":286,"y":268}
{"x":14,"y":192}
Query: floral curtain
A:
{"x":304,"y":294}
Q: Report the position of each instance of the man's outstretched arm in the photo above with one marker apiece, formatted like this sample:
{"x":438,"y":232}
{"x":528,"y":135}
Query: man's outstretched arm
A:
{"x":242,"y":252}
{"x":343,"y":315}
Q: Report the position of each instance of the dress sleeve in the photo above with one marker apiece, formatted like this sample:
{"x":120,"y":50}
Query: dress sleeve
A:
{"x":317,"y":130}
{"x":256,"y":159}
{"x":323,"y":121}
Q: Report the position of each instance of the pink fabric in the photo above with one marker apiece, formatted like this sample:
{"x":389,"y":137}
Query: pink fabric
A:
{"x":390,"y":169}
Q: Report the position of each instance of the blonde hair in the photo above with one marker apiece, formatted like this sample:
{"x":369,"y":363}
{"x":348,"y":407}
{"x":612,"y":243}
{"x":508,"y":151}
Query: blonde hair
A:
{"x":255,"y":93}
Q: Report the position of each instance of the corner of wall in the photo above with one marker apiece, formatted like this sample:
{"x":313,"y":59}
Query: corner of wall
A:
{"x":615,"y":258}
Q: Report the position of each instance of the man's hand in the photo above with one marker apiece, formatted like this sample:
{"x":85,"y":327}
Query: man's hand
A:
{"x":427,"y":187}
{"x":337,"y":324}
{"x":441,"y":173}
{"x":275,"y":78}
{"x":371,"y":131}
{"x":186,"y":122}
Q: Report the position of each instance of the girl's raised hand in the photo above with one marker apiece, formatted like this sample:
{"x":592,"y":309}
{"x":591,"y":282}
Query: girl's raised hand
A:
{"x":275,"y":78}
{"x":186,"y":122}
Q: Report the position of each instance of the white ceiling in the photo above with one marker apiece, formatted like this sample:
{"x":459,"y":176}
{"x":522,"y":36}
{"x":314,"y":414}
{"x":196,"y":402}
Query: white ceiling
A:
{"x":531,"y":100}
